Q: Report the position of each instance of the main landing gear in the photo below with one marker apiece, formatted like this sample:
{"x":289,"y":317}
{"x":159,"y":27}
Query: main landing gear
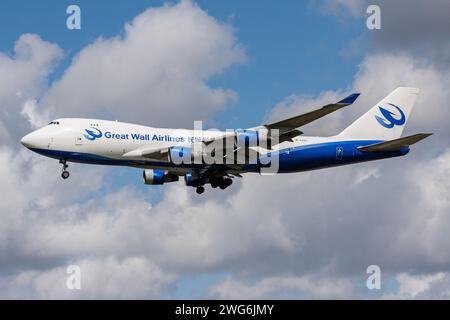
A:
{"x":65,"y":174}
{"x":225,"y":183}
{"x":222,"y":183}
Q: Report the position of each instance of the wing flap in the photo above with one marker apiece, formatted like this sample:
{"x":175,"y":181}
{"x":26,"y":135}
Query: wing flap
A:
{"x":288,"y":136}
{"x":396,"y":144}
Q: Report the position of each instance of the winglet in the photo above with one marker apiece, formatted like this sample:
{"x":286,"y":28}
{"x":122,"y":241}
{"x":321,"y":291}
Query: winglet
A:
{"x":350,"y":99}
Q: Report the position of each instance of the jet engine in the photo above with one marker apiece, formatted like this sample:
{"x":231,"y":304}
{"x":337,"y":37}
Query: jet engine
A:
{"x":151,"y":176}
{"x":193,"y":180}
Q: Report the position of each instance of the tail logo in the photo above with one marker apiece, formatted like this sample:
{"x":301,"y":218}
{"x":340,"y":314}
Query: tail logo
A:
{"x":390,"y":119}
{"x":92,"y":134}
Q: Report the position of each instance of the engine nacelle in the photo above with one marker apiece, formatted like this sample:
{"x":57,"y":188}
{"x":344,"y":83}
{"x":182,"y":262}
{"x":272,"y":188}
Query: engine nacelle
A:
{"x":193,"y":181}
{"x":151,"y":176}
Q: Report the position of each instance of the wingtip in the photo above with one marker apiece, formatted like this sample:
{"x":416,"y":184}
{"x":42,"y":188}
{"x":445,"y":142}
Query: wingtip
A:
{"x":425,"y":134}
{"x":350,"y":99}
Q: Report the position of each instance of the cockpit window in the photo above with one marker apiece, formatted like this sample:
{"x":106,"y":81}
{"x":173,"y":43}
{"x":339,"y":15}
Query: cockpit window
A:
{"x":54,"y":122}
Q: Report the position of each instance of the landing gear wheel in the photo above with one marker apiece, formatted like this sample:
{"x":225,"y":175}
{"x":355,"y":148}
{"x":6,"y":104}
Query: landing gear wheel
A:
{"x":225,"y":183}
{"x":200,"y":190}
{"x":65,"y":174}
{"x":228,"y":182}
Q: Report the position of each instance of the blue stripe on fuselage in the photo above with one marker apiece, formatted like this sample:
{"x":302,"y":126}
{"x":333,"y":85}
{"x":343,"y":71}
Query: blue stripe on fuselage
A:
{"x":330,"y":154}
{"x":300,"y":158}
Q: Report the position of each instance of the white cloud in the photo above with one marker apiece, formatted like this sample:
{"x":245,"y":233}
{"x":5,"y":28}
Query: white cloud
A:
{"x":100,"y":278}
{"x":28,"y":68}
{"x":415,"y":286}
{"x":155,"y":74}
{"x":365,"y":174}
{"x":24,"y":79}
{"x":35,"y":118}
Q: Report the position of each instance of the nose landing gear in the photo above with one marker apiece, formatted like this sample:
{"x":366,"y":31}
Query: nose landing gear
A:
{"x":200,"y":189}
{"x":65,"y":174}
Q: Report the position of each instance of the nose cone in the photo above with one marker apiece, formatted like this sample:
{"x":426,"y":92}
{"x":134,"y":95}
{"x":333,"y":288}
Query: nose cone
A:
{"x":36,"y":140}
{"x":39,"y":139}
{"x":27,"y":141}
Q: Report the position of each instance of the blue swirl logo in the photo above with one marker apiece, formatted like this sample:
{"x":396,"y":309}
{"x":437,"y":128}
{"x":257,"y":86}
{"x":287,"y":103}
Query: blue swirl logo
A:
{"x":390,"y":119}
{"x":92,"y":134}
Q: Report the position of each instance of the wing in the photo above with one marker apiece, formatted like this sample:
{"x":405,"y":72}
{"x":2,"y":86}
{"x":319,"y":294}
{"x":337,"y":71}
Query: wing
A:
{"x":300,"y":120}
{"x":287,"y":130}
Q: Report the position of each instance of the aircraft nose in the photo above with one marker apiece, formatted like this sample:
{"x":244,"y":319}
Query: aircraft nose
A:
{"x":35,"y":140}
{"x":27,"y":141}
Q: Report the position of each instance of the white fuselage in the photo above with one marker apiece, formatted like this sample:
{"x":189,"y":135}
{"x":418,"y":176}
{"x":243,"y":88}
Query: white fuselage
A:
{"x":119,"y":139}
{"x":116,"y":143}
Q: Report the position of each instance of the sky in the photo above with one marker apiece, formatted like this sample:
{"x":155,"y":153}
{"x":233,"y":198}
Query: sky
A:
{"x":231,"y":64}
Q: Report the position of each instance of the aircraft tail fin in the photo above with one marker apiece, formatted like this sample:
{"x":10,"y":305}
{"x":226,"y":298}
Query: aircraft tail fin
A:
{"x":387,"y":119}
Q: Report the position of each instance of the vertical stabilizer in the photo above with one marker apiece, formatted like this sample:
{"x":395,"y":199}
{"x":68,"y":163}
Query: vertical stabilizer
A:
{"x":387,"y":119}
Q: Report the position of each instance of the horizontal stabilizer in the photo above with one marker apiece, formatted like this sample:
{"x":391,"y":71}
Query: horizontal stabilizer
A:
{"x":395,"y":145}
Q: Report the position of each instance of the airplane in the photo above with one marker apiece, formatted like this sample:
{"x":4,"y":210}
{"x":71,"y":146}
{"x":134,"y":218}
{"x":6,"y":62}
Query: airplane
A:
{"x":375,"y":135}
